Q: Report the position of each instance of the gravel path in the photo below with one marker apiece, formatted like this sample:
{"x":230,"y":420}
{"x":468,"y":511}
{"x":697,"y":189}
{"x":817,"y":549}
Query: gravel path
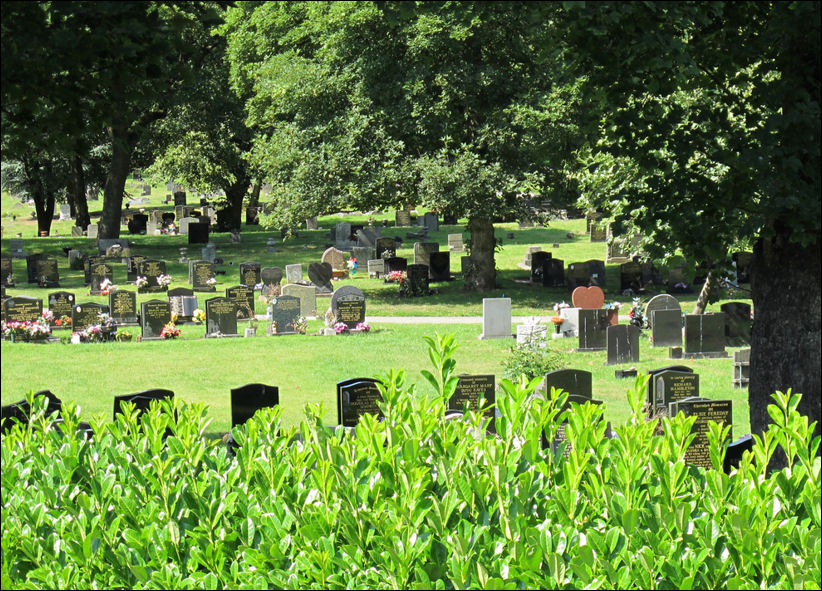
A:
{"x":453,"y":319}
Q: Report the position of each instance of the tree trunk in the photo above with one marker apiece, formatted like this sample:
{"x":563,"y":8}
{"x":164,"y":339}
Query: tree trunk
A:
{"x":702,"y":300}
{"x":785,"y":340}
{"x":77,"y":191}
{"x":254,"y":197}
{"x":121,"y":148}
{"x":44,"y":207}
{"x":483,"y":273}
{"x":235,"y":194}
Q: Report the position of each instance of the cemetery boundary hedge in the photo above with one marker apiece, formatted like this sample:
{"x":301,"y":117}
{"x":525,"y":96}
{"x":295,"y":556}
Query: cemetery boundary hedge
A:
{"x":414,"y":501}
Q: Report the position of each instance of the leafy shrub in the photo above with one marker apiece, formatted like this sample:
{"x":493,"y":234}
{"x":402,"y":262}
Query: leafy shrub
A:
{"x":413,"y":501}
{"x":530,"y":360}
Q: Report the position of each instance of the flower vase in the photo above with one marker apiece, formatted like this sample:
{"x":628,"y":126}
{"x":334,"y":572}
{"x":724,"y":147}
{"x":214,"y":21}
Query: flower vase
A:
{"x":557,"y":327}
{"x":613,"y":317}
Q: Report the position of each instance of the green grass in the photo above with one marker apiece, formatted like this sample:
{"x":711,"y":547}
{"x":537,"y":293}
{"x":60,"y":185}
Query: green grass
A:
{"x":306,"y":368}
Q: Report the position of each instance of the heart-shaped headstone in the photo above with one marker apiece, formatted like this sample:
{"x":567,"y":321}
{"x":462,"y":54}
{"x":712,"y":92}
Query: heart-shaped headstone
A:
{"x":588,"y":298}
{"x":271,"y":275}
{"x":320,"y":275}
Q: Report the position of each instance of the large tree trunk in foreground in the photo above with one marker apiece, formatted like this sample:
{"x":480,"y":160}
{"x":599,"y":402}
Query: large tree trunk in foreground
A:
{"x":482,"y":275}
{"x":121,"y":148}
{"x":785,"y":341}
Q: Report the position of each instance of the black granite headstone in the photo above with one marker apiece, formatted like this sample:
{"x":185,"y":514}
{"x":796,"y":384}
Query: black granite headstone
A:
{"x":22,"y":309}
{"x":666,"y":328}
{"x":141,"y":400}
{"x":22,"y":410}
{"x":538,"y":260}
{"x":573,"y":381}
{"x":630,"y":277}
{"x":123,"y":306}
{"x":243,"y":295}
{"x":553,"y":273}
{"x":198,"y":233}
{"x":154,"y":315}
{"x":250,"y":274}
{"x":396,"y":264}
{"x":348,"y":305}
{"x":705,"y":335}
{"x":98,"y":273}
{"x":417,"y":278}
{"x":439,"y":266}
{"x":47,"y":273}
{"x":200,"y":272}
{"x":592,"y":326}
{"x":720,"y":411}
{"x":248,"y":399}
{"x":470,"y":388}
{"x":151,"y":269}
{"x":671,"y":386}
{"x":623,"y":344}
{"x":356,"y":397}
{"x":221,"y":317}
{"x":320,"y":275}
{"x":285,"y":309}
{"x":60,"y":305}
{"x":738,"y":323}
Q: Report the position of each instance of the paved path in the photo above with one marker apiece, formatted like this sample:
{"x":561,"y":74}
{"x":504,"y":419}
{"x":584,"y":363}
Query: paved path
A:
{"x":454,"y":319}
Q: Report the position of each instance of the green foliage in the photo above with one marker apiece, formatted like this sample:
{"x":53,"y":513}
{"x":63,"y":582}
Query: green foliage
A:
{"x":414,"y":501}
{"x":531,"y":360}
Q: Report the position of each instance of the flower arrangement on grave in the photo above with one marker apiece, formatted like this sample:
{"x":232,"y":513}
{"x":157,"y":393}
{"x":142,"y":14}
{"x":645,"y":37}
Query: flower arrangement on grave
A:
{"x":636,"y":317}
{"x":396,"y":277}
{"x":106,"y":287}
{"x":362,"y":327}
{"x":107,"y":322}
{"x":198,"y":316}
{"x":164,"y":280}
{"x":141,"y":282}
{"x":340,"y":327}
{"x":612,"y":306}
{"x":63,"y":321}
{"x":48,"y":316}
{"x":170,"y":331}
{"x":169,"y":229}
{"x":352,"y":266}
{"x":123,"y":336}
{"x":560,"y":306}
{"x":211,"y":281}
{"x":26,"y":330}
{"x":388,"y":254}
{"x":174,"y":317}
{"x":300,"y":324}
{"x":90,"y":334}
{"x":10,"y":280}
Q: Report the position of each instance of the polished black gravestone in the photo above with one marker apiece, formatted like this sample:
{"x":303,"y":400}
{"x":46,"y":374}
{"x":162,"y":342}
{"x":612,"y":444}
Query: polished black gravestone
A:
{"x":132,"y":264}
{"x":221,"y":317}
{"x":396,"y":264}
{"x":553,"y":273}
{"x":183,"y":302}
{"x":285,"y":309}
{"x":47,"y":273}
{"x":573,"y":381}
{"x":720,"y":411}
{"x":6,"y":273}
{"x":22,"y":309}
{"x":630,"y":277}
{"x":248,"y":399}
{"x":649,"y":401}
{"x":154,"y":315}
{"x":21,"y":411}
{"x":439,"y":266}
{"x":672,"y":386}
{"x":60,"y":305}
{"x":198,"y":233}
{"x":142,"y":402}
{"x":151,"y":269}
{"x":86,"y":315}
{"x":250,"y":273}
{"x":243,"y":295}
{"x":123,"y":306}
{"x":623,"y":344}
{"x":592,"y":326}
{"x":666,"y":328}
{"x":469,"y":390}
{"x":417,"y":277}
{"x":320,"y":275}
{"x":98,"y":273}
{"x":356,"y":397}
{"x":199,"y":275}
{"x":705,"y":335}
{"x":348,"y":305}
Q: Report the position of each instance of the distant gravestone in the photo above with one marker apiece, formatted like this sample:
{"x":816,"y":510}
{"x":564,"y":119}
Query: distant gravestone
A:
{"x":705,"y":335}
{"x":7,"y":273}
{"x":650,"y":401}
{"x":720,"y":411}
{"x":293,"y":273}
{"x":31,"y":266}
{"x":285,"y":310}
{"x":402,"y":218}
{"x":574,"y":381}
{"x":132,"y":265}
{"x":271,"y":277}
{"x":623,"y":344}
{"x":348,"y":305}
{"x":154,"y":315}
{"x":183,"y":302}
{"x":355,"y":398}
{"x":179,"y":198}
{"x":422,"y":252}
{"x":198,"y":233}
{"x":671,"y":386}
{"x":250,"y":274}
{"x":395,"y":264}
{"x":598,"y":232}
{"x":342,"y":234}
{"x":368,"y":236}
{"x":496,"y":318}
{"x":60,"y":305}
{"x":200,"y":273}
{"x":65,"y":211}
{"x":98,"y":274}
{"x":209,"y":252}
{"x":252,"y":216}
{"x":138,"y":224}
{"x":21,"y":411}
{"x":376,"y":268}
{"x":430,"y":222}
{"x":320,"y":275}
{"x":307,"y":294}
{"x":742,"y":262}
{"x":311,"y":224}
{"x":16,"y":248}
{"x":104,"y":244}
{"x":553,"y":274}
{"x":592,"y":330}
{"x":439,"y":266}
{"x":588,"y":298}
{"x":666,"y":328}
{"x":87,"y":314}
{"x":362,"y":254}
{"x":243,"y":296}
{"x":455,"y":243}
{"x":383,"y":244}
{"x":417,"y":276}
{"x":662,"y":301}
{"x":151,"y":269}
{"x":141,"y":400}
{"x":538,"y":260}
{"x":92,"y":230}
{"x":630,"y":277}
{"x":738,"y":323}
{"x":578,"y":275}
{"x":123,"y":306}
{"x":742,"y":368}
{"x":334,"y":257}
{"x":570,"y":321}
{"x":221,"y":317}
{"x":22,"y":309}
{"x":47,"y":272}
{"x":248,"y":399}
{"x":76,"y":231}
{"x":469,"y":390}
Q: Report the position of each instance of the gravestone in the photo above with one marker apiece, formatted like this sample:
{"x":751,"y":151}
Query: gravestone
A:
{"x":666,"y":329}
{"x":598,"y":232}
{"x":402,"y":218}
{"x":439,"y":266}
{"x":417,"y":277}
{"x":248,"y":399}
{"x":31,"y":266}
{"x":356,"y":397}
{"x":311,"y":223}
{"x":720,"y":411}
{"x":671,"y":386}
{"x":574,"y":381}
{"x":293,"y":273}
{"x":591,"y":219}
{"x":630,"y":277}
{"x":22,"y":309}
{"x":7,"y":273}
{"x":596,"y":270}
{"x":553,"y":273}
{"x":623,"y":344}
{"x":154,"y":315}
{"x":104,"y":244}
{"x":368,"y":236}
{"x":199,"y":274}
{"x":250,"y":274}
{"x":578,"y":275}
{"x":677,"y":282}
{"x":496,"y":318}
{"x":588,"y":298}
{"x":348,"y":305}
{"x":592,"y":328}
{"x":221,"y":317}
{"x":98,"y":273}
{"x":662,"y":301}
{"x":92,"y":230}
{"x":705,"y":335}
{"x":320,"y":275}
{"x":738,"y":323}
{"x":76,"y":231}
{"x":60,"y":304}
{"x":383,"y":244}
{"x":252,"y":216}
{"x":198,"y":233}
{"x":742,"y":368}
{"x":243,"y":296}
{"x":209,"y":252}
{"x":455,"y":243}
{"x":570,"y":321}
{"x":22,"y":411}
{"x":138,"y":224}
{"x":469,"y":390}
{"x":88,"y":263}
{"x":465,"y":265}
{"x":742,"y":262}
{"x":342,"y":234}
{"x":185,"y":222}
{"x":334,"y":257}
{"x":362,"y":254}
{"x":183,"y":302}
{"x":284,"y":311}
{"x":179,"y":198}
{"x":271,"y":277}
{"x":538,"y":260}
{"x":65,"y":211}
{"x":123,"y":306}
{"x":141,"y":400}
{"x":307,"y":294}
{"x":652,"y":373}
{"x":16,"y":248}
{"x":151,"y":269}
{"x":47,"y":272}
{"x":395,"y":264}
{"x":86,"y":315}
{"x":376,"y":268}
{"x":430,"y":222}
{"x":132,"y":264}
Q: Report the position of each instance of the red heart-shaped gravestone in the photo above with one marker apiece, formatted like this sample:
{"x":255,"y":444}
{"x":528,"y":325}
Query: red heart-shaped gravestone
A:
{"x":588,"y":298}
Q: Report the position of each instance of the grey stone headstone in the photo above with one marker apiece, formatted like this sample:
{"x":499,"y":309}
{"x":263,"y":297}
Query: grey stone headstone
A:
{"x":402,"y":218}
{"x":209,"y":252}
{"x":496,"y":318}
{"x":356,"y":397}
{"x":311,"y":224}
{"x":271,"y":275}
{"x":455,"y":243}
{"x":430,"y":222}
{"x":666,"y":328}
{"x":221,"y":317}
{"x":65,"y":211}
{"x":293,"y":273}
{"x":705,"y":335}
{"x":179,"y":198}
{"x":465,"y":265}
{"x":592,"y":329}
{"x":598,"y":232}
{"x":320,"y":275}
{"x":662,"y":301}
{"x":348,"y":305}
{"x":376,"y":268}
{"x":720,"y":411}
{"x":16,"y":248}
{"x":422,"y":252}
{"x":154,"y":315}
{"x":368,"y":236}
{"x":623,"y":344}
{"x":335,"y":257}
{"x":342,"y":232}
{"x":248,"y":399}
{"x":92,"y":230}
{"x":363,"y":254}
{"x":243,"y":296}
{"x":104,"y":244}
{"x":307,"y":295}
{"x":284,"y":311}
